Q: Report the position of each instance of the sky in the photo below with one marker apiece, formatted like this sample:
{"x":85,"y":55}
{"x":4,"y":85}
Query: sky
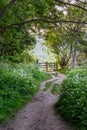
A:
{"x":42,"y":52}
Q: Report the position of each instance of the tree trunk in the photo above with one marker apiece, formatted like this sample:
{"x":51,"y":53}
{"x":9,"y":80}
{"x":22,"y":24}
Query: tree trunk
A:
{"x":74,"y":52}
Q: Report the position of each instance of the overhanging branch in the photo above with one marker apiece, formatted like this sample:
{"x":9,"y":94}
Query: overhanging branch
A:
{"x":6,"y":7}
{"x":43,"y":20}
{"x":67,"y":3}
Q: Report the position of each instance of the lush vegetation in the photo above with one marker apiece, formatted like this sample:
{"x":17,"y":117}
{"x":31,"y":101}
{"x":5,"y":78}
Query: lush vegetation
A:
{"x":73,"y":97}
{"x":18,"y":83}
{"x":63,"y":26}
{"x":59,"y":22}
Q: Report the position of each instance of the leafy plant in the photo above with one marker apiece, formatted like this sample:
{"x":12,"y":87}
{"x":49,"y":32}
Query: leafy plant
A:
{"x":73,"y":98}
{"x":18,"y":84}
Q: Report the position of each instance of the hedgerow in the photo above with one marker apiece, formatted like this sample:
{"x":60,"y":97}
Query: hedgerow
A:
{"x":72,"y":103}
{"x":18,"y":83}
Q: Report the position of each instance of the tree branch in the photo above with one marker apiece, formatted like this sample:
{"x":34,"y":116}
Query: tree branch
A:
{"x":66,"y":3}
{"x":43,"y":20}
{"x":6,"y":7}
{"x":85,"y":2}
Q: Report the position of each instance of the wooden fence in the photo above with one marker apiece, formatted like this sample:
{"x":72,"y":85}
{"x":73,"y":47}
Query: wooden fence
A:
{"x":48,"y":66}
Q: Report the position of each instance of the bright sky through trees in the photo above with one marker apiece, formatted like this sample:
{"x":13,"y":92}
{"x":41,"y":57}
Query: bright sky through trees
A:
{"x":42,"y":53}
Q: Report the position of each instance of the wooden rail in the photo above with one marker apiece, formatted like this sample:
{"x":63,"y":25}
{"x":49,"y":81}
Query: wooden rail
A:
{"x":52,"y":66}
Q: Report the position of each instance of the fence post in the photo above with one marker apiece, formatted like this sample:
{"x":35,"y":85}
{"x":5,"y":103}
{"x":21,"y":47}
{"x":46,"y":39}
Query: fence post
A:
{"x":46,"y":66}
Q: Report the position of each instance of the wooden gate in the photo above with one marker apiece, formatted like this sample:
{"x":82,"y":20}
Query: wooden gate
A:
{"x":52,"y":66}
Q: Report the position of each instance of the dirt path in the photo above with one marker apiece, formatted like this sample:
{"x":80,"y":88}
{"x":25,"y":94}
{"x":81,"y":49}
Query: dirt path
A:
{"x":39,"y":114}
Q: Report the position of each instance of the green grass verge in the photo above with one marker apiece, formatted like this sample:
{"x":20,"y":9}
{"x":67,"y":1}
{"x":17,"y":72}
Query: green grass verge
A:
{"x":56,"y":88}
{"x":55,"y":74}
{"x":64,"y":70}
{"x":47,"y":86}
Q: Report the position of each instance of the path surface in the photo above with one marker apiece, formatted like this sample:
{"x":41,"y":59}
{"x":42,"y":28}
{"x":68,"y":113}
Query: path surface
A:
{"x":39,"y":114}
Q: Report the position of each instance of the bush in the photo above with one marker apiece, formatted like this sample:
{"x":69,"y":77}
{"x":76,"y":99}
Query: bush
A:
{"x":18,"y":84}
{"x":73,"y":98}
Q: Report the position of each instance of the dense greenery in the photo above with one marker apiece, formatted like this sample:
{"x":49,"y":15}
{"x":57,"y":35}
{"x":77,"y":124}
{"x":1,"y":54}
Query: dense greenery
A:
{"x":63,"y":26}
{"x":18,"y":83}
{"x":68,"y":45}
{"x":14,"y":39}
{"x":73,"y":97}
{"x":21,"y":20}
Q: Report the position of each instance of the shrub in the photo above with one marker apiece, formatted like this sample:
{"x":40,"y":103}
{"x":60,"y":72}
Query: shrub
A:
{"x":18,"y":84}
{"x":73,"y":98}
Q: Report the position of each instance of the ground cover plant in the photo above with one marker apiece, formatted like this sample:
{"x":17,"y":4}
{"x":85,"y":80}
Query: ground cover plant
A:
{"x":56,"y":88}
{"x":18,"y":84}
{"x":73,"y":98}
{"x":64,"y":70}
{"x":55,"y":73}
{"x":47,"y":86}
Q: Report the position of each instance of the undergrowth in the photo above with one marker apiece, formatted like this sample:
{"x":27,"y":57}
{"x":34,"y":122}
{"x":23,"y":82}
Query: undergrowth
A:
{"x":56,"y":88}
{"x":47,"y":86}
{"x":18,"y":84}
{"x":73,"y":98}
{"x":64,"y":70}
{"x":55,"y":73}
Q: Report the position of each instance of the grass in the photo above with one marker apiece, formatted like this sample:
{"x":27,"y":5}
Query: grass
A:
{"x":64,"y":70}
{"x":56,"y":88}
{"x":55,"y":74}
{"x":47,"y":86}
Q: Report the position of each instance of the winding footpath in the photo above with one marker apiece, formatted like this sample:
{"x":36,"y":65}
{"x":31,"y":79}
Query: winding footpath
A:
{"x":39,"y":114}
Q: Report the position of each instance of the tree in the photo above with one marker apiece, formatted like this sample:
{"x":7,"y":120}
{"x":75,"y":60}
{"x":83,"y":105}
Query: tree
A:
{"x":72,"y":35}
{"x":61,"y":45}
{"x":17,"y":17}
